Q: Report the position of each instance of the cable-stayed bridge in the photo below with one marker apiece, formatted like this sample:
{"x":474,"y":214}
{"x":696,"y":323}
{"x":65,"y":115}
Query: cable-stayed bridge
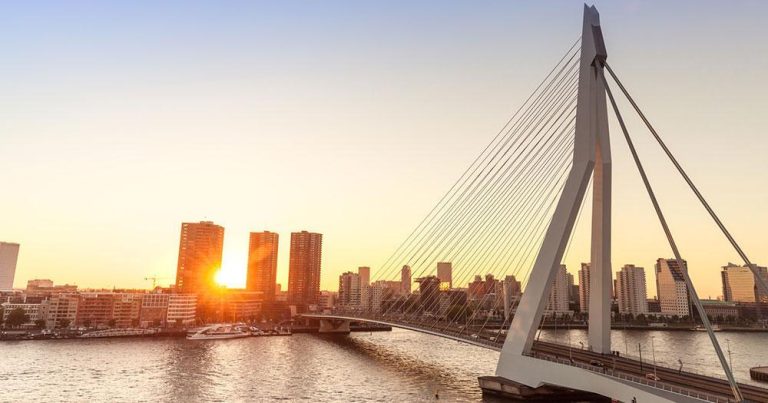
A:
{"x":512,"y":215}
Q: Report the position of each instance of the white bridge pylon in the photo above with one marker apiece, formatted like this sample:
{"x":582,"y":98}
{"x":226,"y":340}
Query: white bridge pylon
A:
{"x":591,"y":160}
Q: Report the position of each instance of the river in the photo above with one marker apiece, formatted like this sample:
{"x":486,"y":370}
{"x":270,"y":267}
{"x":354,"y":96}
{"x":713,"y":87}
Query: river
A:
{"x":362,"y":367}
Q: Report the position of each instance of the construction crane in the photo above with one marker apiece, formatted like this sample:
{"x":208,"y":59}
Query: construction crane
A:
{"x":154,"y":280}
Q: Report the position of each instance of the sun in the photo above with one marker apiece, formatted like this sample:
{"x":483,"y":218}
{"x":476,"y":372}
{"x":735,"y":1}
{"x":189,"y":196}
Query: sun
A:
{"x":229,"y":278}
{"x":231,"y":274}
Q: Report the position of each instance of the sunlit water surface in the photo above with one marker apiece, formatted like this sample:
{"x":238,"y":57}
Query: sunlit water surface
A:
{"x":362,"y":367}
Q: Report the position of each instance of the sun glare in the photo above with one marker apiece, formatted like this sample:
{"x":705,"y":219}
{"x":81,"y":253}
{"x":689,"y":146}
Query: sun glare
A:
{"x":229,"y":278}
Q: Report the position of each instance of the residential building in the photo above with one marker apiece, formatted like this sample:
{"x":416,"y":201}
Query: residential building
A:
{"x":739,"y":283}
{"x":200,"y":251}
{"x":349,"y":290}
{"x":558,"y":293}
{"x":262,"y":264}
{"x":304,"y":268}
{"x":584,"y":287}
{"x":631,"y":290}
{"x":670,"y":287}
{"x":9,"y":254}
{"x":381,"y":291}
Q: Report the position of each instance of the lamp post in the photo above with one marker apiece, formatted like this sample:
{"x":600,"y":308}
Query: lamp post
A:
{"x":653,"y":353}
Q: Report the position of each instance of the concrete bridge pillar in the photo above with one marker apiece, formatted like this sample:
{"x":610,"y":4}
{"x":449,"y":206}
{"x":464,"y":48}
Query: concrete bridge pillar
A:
{"x":334,"y":326}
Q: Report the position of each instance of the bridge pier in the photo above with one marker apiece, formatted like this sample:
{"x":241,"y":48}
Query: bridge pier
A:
{"x":334,"y":326}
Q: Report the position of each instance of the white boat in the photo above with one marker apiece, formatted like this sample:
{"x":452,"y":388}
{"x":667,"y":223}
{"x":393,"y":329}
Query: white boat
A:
{"x":219,"y":332}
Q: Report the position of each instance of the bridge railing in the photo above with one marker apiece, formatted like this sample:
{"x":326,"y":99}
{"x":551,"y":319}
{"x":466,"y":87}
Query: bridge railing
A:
{"x":635,"y":379}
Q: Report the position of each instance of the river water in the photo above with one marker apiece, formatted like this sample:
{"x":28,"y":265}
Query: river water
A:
{"x":362,"y":367}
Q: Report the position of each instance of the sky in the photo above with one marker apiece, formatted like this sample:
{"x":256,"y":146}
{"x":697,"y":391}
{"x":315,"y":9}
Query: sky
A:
{"x":119,"y":121}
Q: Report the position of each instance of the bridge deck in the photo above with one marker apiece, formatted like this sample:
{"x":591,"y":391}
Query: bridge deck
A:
{"x":699,"y":386}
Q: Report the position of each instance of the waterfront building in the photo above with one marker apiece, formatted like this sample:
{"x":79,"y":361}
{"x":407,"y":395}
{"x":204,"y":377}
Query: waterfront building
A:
{"x":304,"y":268}
{"x":480,"y":289}
{"x":59,"y":309}
{"x":95,"y":309}
{"x":584,"y":287}
{"x":445,"y":274}
{"x":631,"y":290}
{"x":720,"y":310}
{"x":125,"y":309}
{"x":365,"y":282}
{"x":349,"y":290}
{"x":154,"y":310}
{"x":32,"y":310}
{"x":670,"y":287}
{"x":653,"y":305}
{"x":558,"y":293}
{"x":262,"y":264}
{"x":182,"y":309}
{"x":739,"y":283}
{"x":9,"y":254}
{"x":405,"y":279}
{"x":200,"y":251}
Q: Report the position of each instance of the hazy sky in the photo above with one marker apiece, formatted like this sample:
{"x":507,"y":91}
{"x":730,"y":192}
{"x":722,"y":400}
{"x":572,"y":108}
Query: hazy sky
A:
{"x":120,"y":121}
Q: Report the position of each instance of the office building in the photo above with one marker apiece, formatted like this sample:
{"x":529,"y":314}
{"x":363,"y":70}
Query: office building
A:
{"x":9,"y":254}
{"x":365,"y":284}
{"x":631,"y":290}
{"x":739,"y":283}
{"x":304,"y":268}
{"x":200,"y":251}
{"x":445,"y":274}
{"x":405,"y":279}
{"x":671,"y":289}
{"x":262,"y":264}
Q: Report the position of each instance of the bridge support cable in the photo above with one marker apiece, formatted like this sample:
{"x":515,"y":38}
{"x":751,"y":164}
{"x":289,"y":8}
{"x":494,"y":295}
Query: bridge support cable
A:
{"x":459,"y":212}
{"x":476,"y":221}
{"x":758,"y":278}
{"x":512,"y":308}
{"x":547,"y":177}
{"x":469,"y":253}
{"x":533,"y":218}
{"x":673,"y":245}
{"x":540,"y":94}
{"x":470,"y":195}
{"x":439,"y":232}
{"x":481,"y":157}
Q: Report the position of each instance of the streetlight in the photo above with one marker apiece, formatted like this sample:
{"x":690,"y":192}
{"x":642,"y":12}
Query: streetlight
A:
{"x":653,"y":353}
{"x":730,"y":358}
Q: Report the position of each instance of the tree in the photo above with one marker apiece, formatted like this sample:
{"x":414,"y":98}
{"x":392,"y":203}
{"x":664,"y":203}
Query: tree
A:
{"x":64,"y":323}
{"x":112,"y":323}
{"x":87,"y":323}
{"x":17,"y":317}
{"x":40,"y":323}
{"x":135,"y":322}
{"x":156,"y":323}
{"x":2,"y":311}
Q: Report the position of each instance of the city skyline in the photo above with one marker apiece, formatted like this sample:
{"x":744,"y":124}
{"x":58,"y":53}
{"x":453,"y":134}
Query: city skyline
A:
{"x":380,"y":146}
